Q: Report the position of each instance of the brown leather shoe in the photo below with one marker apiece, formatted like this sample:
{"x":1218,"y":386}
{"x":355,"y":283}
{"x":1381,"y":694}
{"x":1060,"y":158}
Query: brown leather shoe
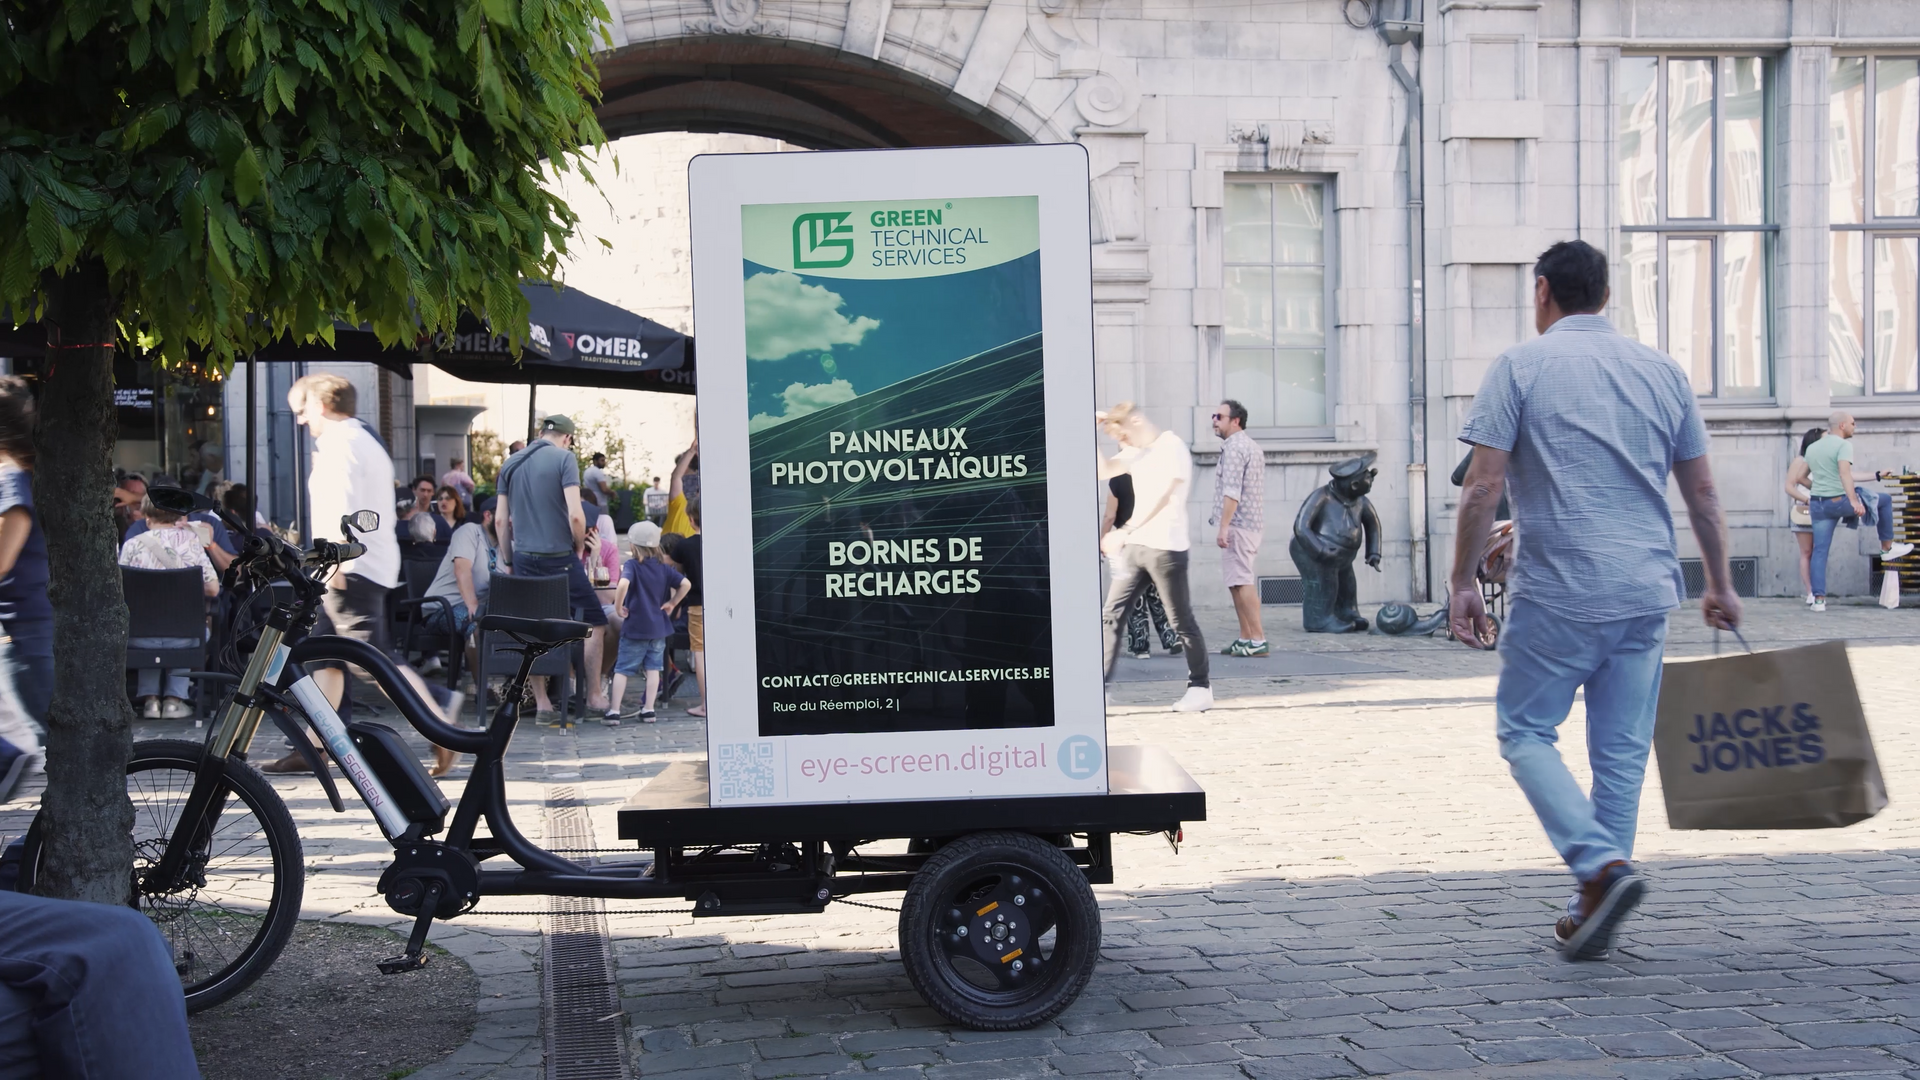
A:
{"x":293,"y":764}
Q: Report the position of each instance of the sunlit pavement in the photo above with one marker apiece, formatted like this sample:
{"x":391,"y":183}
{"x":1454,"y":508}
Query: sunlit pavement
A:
{"x":1370,"y":895}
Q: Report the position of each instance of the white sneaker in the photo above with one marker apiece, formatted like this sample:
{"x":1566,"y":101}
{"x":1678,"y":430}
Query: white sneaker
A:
{"x":1897,"y":551}
{"x":1808,"y":600}
{"x":1196,"y":699}
{"x":175,"y":709}
{"x":150,"y":710}
{"x":1819,"y":605}
{"x":452,"y":710}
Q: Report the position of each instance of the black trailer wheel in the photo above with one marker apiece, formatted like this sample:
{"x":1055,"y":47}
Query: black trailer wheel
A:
{"x":999,"y":931}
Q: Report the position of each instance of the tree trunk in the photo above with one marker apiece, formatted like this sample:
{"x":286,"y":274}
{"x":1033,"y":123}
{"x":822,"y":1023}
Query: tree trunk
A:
{"x":88,"y":820}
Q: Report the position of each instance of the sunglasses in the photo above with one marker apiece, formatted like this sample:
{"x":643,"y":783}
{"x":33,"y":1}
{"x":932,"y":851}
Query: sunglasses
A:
{"x":1219,"y":416}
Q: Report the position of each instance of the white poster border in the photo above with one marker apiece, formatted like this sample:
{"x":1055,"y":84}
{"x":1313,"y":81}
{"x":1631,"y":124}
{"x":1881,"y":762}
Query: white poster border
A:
{"x":897,"y":765}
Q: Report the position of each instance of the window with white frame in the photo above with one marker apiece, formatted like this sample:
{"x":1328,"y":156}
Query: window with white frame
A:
{"x":1278,"y":297}
{"x":1873,"y":208}
{"x":1692,"y":277}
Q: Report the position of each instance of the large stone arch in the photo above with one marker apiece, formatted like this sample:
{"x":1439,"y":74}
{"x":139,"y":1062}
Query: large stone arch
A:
{"x":842,"y":74}
{"x":837,"y":74}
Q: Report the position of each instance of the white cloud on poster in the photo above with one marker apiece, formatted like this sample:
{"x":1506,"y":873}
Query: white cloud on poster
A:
{"x":785,"y":315}
{"x":801,"y":399}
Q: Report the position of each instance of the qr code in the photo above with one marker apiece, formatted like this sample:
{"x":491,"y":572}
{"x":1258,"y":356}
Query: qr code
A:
{"x":744,"y":771}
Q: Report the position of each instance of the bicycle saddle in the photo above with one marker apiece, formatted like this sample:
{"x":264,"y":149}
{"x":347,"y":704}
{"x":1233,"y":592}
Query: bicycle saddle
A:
{"x":541,"y":631}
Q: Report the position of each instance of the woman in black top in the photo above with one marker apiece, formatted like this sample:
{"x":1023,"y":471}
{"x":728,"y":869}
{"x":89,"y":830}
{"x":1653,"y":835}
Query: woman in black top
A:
{"x":1147,"y":605}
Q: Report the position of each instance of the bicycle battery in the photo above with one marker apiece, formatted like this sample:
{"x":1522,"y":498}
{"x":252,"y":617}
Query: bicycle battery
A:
{"x":393,"y":761}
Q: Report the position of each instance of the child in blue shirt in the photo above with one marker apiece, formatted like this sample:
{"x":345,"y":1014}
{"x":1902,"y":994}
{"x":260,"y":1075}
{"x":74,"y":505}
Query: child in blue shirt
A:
{"x":649,"y":589}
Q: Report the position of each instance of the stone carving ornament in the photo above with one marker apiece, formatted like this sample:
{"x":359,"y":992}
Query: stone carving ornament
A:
{"x":733,"y":17}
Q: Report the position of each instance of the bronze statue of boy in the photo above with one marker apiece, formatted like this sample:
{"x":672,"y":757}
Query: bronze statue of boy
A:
{"x":1328,"y":532}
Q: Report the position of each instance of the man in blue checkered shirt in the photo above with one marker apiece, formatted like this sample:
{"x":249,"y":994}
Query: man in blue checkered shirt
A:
{"x":1582,"y":426}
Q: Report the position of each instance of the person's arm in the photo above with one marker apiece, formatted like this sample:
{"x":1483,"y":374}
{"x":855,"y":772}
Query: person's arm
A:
{"x":620,"y":596}
{"x":503,"y":532}
{"x":576,"y":516}
{"x":680,"y":592}
{"x":1112,"y":511}
{"x":1231,"y":488}
{"x":1846,"y":486}
{"x":677,"y":485}
{"x":463,"y":580}
{"x":1719,"y":605}
{"x":1480,"y":495}
{"x":15,"y":526}
{"x":1797,"y":476}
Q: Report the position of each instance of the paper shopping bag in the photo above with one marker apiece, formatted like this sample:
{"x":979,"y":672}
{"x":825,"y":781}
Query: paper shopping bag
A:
{"x":1890,"y":588}
{"x":1769,"y":740}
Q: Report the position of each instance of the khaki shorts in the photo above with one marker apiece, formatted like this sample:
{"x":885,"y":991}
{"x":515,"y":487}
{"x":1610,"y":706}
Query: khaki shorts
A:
{"x":1236,"y":559}
{"x":697,"y":628}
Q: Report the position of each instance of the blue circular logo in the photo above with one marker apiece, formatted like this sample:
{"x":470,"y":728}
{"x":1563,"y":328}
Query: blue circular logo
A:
{"x":1079,"y":757}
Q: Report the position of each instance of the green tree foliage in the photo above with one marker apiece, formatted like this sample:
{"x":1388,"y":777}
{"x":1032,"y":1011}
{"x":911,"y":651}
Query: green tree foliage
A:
{"x":244,"y":171}
{"x":488,"y":453}
{"x":197,"y":178}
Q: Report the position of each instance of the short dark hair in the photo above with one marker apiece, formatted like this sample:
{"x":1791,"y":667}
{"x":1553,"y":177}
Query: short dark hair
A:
{"x":693,"y":509}
{"x":598,"y":458}
{"x":1236,"y":412}
{"x":418,"y":480}
{"x":1576,"y":274}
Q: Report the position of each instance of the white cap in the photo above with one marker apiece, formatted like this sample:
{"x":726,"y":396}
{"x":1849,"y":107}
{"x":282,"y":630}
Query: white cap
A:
{"x":644,"y":534}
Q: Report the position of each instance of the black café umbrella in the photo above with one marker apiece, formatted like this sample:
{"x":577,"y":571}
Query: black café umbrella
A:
{"x":572,"y":339}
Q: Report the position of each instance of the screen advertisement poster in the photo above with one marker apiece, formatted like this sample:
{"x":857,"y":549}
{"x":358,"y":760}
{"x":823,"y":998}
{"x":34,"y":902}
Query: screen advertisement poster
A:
{"x":901,"y":592}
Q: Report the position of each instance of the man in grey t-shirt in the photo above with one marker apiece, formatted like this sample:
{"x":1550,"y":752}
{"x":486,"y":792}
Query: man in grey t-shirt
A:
{"x":1584,"y":426}
{"x":542,"y":528}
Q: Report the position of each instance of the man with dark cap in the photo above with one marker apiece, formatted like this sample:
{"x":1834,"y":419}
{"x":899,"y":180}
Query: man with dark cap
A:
{"x":542,"y":529}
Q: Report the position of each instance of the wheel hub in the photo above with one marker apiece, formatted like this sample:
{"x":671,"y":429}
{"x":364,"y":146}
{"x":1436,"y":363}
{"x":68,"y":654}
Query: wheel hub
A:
{"x":999,"y":927}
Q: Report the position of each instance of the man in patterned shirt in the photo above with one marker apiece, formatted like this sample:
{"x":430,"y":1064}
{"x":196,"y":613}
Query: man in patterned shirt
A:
{"x":1239,"y":508}
{"x":1582,"y":426}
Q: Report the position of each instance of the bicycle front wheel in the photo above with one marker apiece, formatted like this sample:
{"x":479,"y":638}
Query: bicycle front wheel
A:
{"x":235,"y":906}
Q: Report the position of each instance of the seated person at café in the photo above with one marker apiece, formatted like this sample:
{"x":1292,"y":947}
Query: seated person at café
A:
{"x":169,"y":542}
{"x":221,"y":545}
{"x":424,"y":527}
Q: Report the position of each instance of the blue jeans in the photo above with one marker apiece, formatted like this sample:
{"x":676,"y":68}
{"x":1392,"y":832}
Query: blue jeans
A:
{"x":1827,"y":511}
{"x":88,"y":990}
{"x":1544,"y":659}
{"x":436,"y":618}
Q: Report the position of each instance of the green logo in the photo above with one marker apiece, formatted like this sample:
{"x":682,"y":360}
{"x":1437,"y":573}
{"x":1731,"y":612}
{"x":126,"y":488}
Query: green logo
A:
{"x":822,"y":241}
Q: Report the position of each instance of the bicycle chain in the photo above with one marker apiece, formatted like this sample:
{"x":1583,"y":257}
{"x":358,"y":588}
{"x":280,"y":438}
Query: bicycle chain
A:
{"x":658,"y":911}
{"x":616,"y":911}
{"x":875,"y":907}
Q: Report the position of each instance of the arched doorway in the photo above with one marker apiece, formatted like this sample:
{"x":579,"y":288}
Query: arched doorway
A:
{"x":752,"y":87}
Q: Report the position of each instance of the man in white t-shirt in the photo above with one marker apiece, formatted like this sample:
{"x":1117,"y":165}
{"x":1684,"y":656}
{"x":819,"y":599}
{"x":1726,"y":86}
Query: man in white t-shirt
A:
{"x":351,"y":472}
{"x":1152,"y":546}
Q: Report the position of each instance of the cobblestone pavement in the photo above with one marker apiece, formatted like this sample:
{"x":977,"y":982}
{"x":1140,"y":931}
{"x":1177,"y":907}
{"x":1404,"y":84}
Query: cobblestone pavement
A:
{"x":1371,"y":895}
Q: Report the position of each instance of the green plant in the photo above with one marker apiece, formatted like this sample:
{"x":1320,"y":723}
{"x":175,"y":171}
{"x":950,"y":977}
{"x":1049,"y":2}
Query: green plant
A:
{"x":189,"y":180}
{"x":488,"y":452}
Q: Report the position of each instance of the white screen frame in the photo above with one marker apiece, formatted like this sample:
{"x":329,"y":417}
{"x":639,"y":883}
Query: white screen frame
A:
{"x":719,"y":185}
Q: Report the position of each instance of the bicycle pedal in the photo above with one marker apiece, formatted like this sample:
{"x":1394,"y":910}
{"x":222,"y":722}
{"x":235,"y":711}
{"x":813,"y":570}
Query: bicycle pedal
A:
{"x":400,"y":965}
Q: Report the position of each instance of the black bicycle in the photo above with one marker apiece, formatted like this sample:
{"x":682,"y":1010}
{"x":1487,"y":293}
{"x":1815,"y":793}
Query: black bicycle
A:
{"x":999,"y":928}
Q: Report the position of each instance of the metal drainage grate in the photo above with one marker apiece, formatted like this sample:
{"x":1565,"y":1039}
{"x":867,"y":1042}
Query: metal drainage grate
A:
{"x":585,"y":1023}
{"x":1281,"y":590}
{"x":1745,"y":571}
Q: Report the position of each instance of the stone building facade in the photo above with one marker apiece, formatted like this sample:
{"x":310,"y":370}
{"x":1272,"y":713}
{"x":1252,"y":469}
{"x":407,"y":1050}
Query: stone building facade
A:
{"x":1261,"y":231}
